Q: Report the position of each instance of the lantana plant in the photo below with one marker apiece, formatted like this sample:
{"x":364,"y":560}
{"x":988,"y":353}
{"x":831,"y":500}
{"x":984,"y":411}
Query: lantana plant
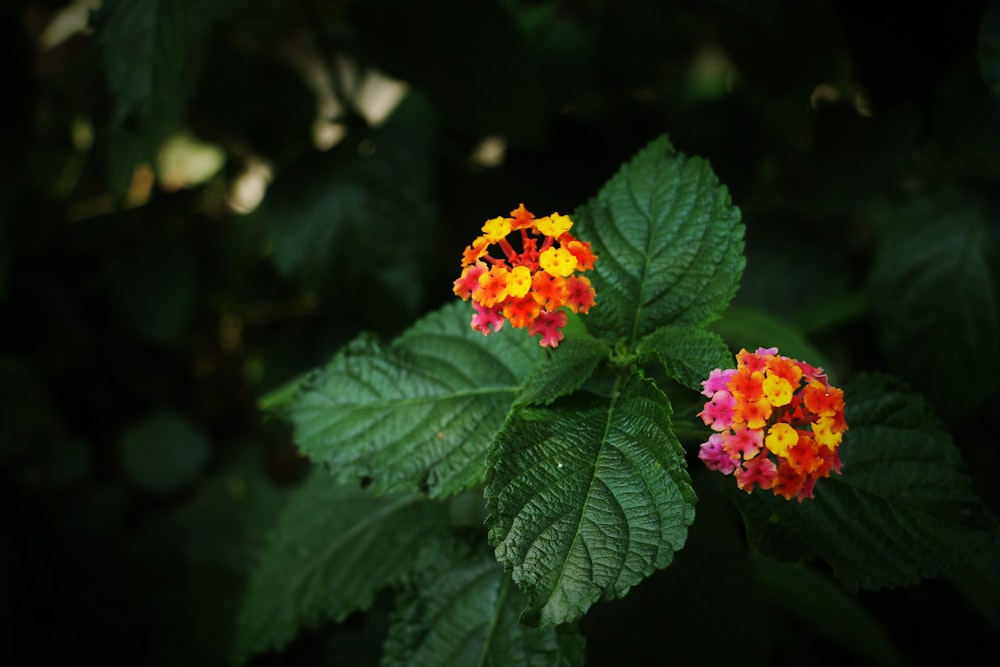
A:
{"x":501,"y":484}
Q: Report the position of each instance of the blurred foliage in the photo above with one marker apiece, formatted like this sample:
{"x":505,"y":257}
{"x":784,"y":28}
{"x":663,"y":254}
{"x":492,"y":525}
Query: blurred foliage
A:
{"x":148,"y":309}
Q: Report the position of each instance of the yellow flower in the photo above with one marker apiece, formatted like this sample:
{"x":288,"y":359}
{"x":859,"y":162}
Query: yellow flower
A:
{"x":780,"y":438}
{"x":554,"y":225}
{"x":496,"y":229}
{"x":557,"y":262}
{"x":519,"y":281}
{"x":777,"y":390}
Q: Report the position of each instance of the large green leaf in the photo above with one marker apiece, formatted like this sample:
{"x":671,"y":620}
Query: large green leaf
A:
{"x":902,"y":510}
{"x":587,"y":497}
{"x":461,"y":609}
{"x":989,"y":48}
{"x":935,"y":296}
{"x":669,"y":243}
{"x":419,"y":413}
{"x":688,"y":355}
{"x":331,"y":550}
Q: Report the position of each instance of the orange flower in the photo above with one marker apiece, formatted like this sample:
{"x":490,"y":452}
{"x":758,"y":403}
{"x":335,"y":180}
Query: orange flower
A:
{"x":784,"y":404}
{"x":527,"y":288}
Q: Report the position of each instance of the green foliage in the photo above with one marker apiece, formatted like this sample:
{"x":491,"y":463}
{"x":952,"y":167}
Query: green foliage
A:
{"x":687,"y":355}
{"x":474,"y":92}
{"x":153,"y":292}
{"x":152,"y":54}
{"x":417,"y":414}
{"x":904,"y":508}
{"x":989,"y":48}
{"x":941,"y":249}
{"x":749,"y":329}
{"x":827,"y":608}
{"x":670,"y":245}
{"x":331,"y":216}
{"x":331,"y":550}
{"x":461,"y":609}
{"x":563,"y":371}
{"x":164,"y":452}
{"x":587,"y":497}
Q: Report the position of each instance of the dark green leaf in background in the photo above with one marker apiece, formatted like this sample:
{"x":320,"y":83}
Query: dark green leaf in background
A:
{"x":669,"y":243}
{"x":461,"y":609}
{"x":749,"y":328}
{"x":152,"y":54}
{"x":352,"y":224}
{"x":903,"y":509}
{"x":827,"y":609}
{"x":419,"y":413}
{"x":331,"y":550}
{"x":989,"y":48}
{"x":164,"y":452}
{"x":468,"y":57}
{"x":936,"y":296}
{"x":587,"y":497}
{"x":153,"y":292}
{"x":979,"y":582}
{"x":687,"y":355}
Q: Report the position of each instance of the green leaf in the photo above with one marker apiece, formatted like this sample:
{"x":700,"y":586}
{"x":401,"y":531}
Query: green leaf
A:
{"x":164,"y":452}
{"x":903,"y":509}
{"x":462,"y":610}
{"x":219,"y":532}
{"x":669,"y":243}
{"x":587,"y":497}
{"x":989,"y":48}
{"x":419,"y":413}
{"x":688,"y":355}
{"x":826,"y":609}
{"x":979,"y":583}
{"x":333,"y":217}
{"x":331,"y":550}
{"x":935,"y":296}
{"x":564,"y":371}
{"x":750,"y":328}
{"x":152,"y":52}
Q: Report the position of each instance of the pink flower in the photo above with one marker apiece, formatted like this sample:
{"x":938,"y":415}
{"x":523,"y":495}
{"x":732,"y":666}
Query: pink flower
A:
{"x":760,"y":470}
{"x":485,"y":317}
{"x":715,"y":457}
{"x":550,"y":325}
{"x":718,"y":412}
{"x":743,"y":442}
{"x":718,"y":380}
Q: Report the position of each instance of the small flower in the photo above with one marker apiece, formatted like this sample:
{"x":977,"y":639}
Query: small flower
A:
{"x":549,"y":325}
{"x":778,"y":424}
{"x":529,"y":288}
{"x":485,"y":318}
{"x":715,"y":456}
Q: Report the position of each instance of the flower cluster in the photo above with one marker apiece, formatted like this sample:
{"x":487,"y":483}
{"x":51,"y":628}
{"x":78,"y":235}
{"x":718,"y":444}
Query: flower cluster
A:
{"x":778,"y":423}
{"x":527,"y":288}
